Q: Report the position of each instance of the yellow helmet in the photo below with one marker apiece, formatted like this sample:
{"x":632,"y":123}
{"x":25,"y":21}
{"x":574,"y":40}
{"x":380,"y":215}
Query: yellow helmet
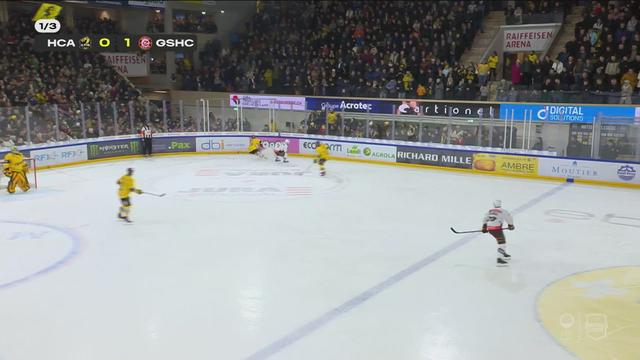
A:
{"x":14,"y":149}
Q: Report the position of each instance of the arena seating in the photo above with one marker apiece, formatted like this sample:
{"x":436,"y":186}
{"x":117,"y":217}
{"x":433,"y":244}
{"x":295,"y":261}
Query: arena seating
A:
{"x":350,"y":48}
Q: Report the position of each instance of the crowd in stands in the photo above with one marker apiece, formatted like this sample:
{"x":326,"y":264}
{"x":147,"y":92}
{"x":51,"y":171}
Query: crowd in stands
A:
{"x":603,"y":58}
{"x":348,"y":48}
{"x":194,"y":23}
{"x":95,"y":26}
{"x":528,"y":11}
{"x":40,"y":79}
{"x":158,"y":64}
{"x":156,"y":22}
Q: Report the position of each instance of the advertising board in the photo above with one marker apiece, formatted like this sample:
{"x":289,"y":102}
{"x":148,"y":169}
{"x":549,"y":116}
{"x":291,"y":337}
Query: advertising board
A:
{"x":59,"y":155}
{"x":272,"y":142}
{"x":267,"y":102}
{"x":220,"y":143}
{"x":442,"y":108}
{"x":564,"y":112}
{"x":522,"y":40}
{"x":114,"y":148}
{"x":434,"y":157}
{"x":348,"y":150}
{"x":505,"y":164}
{"x":590,"y":170}
{"x":173,"y":144}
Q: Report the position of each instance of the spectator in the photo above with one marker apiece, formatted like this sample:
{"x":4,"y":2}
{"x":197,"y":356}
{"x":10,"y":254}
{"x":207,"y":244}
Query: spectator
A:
{"x":483,"y":73}
{"x":613,"y":67}
{"x":421,"y":91}
{"x":516,"y":73}
{"x":527,"y":71}
{"x":625,"y":93}
{"x":630,"y":76}
{"x":484,"y":92}
{"x":493,"y":64}
{"x":439,"y":90}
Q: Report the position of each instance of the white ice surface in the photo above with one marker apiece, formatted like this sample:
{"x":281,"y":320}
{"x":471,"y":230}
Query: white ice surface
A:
{"x":219,"y":270}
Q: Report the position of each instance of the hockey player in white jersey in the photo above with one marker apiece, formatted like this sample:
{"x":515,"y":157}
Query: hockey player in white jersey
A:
{"x":492,"y":223}
{"x":281,"y":149}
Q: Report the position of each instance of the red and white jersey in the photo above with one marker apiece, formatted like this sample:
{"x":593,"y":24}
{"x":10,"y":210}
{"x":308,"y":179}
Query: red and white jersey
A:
{"x":495,"y":217}
{"x":281,"y":146}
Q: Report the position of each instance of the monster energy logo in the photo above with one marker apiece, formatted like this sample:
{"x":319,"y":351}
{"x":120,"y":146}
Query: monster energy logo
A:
{"x":99,"y":151}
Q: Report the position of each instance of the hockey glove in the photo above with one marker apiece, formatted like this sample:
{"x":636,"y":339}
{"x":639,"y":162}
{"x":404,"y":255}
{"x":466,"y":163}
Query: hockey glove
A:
{"x":138,"y":191}
{"x":511,"y":227}
{"x":484,"y":228}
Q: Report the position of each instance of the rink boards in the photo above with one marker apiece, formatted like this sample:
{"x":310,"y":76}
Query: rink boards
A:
{"x":487,"y":161}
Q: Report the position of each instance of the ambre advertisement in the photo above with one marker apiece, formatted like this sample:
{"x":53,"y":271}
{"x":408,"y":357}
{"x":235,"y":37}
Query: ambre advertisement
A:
{"x":506,"y":164}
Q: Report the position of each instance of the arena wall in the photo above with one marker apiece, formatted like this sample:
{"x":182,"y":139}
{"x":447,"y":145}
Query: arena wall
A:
{"x":468,"y":159}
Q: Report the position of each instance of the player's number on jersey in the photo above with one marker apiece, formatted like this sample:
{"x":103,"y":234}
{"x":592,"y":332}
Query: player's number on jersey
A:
{"x":47,"y":26}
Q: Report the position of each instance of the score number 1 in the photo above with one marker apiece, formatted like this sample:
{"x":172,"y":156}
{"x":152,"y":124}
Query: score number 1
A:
{"x":47,"y":26}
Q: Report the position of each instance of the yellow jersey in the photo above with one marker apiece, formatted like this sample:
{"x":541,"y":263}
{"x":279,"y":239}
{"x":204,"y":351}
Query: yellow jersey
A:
{"x":323,"y":151}
{"x":254,"y":144}
{"x":332,"y":117}
{"x":127,"y":185}
{"x":15,"y":162}
{"x":493,"y":61}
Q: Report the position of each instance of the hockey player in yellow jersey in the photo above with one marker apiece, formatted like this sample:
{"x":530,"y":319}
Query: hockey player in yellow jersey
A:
{"x":322,"y":151}
{"x":15,"y":168}
{"x":255,"y":147}
{"x":127,"y":186}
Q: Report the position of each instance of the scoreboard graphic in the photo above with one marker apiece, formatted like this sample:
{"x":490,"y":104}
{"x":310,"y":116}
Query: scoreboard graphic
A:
{"x":115,"y":43}
{"x":50,"y":40}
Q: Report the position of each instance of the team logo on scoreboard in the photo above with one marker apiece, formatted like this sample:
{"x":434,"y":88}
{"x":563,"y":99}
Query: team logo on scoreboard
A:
{"x":145,"y":43}
{"x":85,"y":43}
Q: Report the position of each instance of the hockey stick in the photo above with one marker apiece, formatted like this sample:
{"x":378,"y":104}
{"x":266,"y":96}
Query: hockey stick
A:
{"x":152,"y":194}
{"x":472,"y":231}
{"x":308,"y":167}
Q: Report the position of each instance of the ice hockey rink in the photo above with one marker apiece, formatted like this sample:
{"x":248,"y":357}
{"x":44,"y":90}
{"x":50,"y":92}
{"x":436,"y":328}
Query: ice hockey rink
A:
{"x":251,"y":259}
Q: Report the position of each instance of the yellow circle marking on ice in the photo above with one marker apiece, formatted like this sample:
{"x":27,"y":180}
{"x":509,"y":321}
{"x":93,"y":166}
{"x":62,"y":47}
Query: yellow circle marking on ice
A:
{"x":595,"y":314}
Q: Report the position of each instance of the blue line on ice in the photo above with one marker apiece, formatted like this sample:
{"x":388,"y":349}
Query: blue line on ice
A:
{"x":331,"y":315}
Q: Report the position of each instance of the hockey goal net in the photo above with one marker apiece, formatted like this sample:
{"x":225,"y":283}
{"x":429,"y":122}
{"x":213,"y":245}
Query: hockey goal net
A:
{"x":32,"y":174}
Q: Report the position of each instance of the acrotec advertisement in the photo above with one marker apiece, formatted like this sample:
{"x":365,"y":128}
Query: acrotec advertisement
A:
{"x":506,"y":164}
{"x":434,"y":157}
{"x":350,"y":105}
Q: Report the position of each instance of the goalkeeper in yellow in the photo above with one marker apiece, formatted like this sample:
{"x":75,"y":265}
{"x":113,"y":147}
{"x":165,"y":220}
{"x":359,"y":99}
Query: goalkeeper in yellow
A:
{"x":322,"y":155}
{"x":127,"y":186}
{"x":15,"y":168}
